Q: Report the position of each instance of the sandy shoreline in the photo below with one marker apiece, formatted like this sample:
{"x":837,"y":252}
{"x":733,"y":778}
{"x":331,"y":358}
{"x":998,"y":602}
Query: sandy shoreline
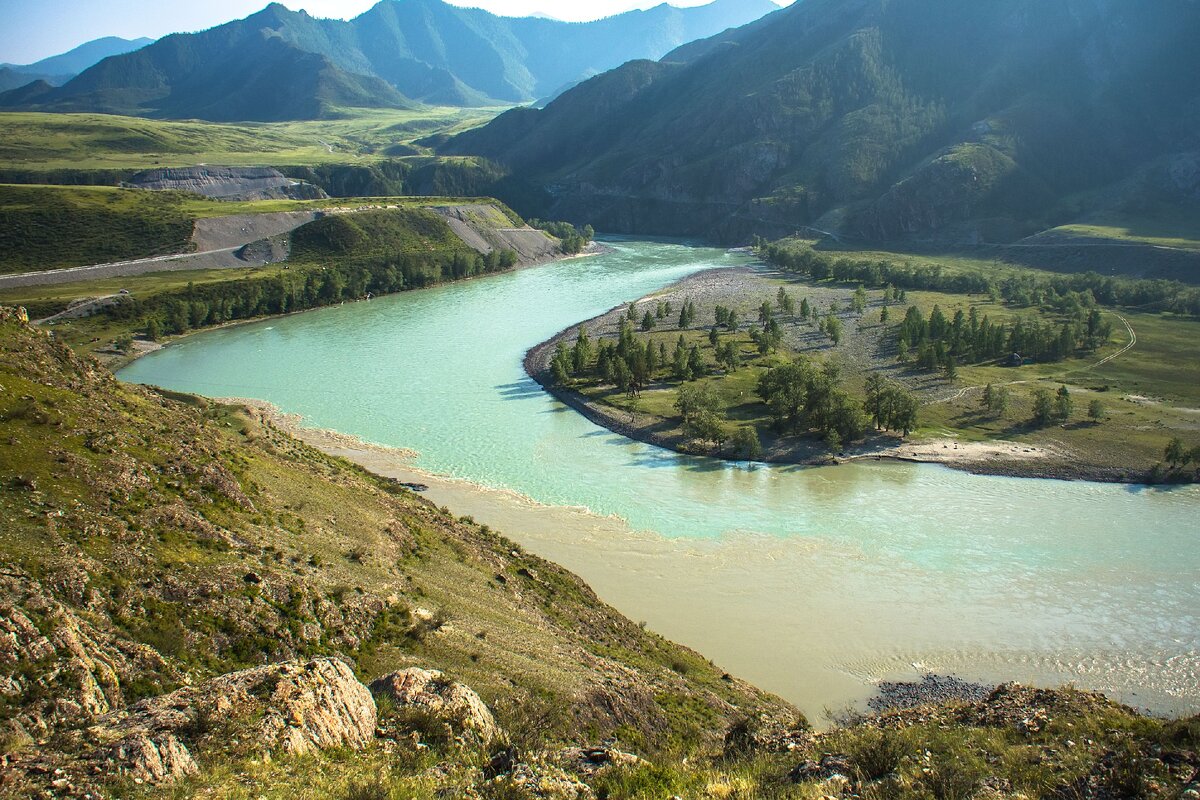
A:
{"x":997,"y":458}
{"x":812,"y":649}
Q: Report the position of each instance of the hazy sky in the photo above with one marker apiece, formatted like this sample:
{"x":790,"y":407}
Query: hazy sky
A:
{"x":34,"y":29}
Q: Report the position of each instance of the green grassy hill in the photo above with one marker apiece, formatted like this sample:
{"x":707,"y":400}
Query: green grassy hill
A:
{"x":34,"y":144}
{"x":133,"y":519}
{"x":48,"y":228}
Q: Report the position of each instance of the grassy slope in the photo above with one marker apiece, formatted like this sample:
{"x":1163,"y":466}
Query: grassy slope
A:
{"x":48,"y":228}
{"x":136,"y":516}
{"x":53,"y":227}
{"x":131,"y":518}
{"x":33,"y":141}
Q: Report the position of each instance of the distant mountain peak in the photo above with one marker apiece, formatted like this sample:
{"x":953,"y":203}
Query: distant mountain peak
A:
{"x":426,"y":50}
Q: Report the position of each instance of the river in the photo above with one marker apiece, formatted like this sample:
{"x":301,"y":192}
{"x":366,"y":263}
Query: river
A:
{"x":811,"y":583}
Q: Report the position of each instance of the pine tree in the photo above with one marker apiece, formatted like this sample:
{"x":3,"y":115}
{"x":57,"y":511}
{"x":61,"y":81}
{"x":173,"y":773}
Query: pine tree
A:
{"x":1043,"y":407}
{"x":581,"y":353}
{"x":1064,"y":406}
{"x":1174,"y":452}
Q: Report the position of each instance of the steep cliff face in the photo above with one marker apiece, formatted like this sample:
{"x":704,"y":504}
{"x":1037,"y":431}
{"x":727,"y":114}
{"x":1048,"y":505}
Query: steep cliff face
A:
{"x":228,"y":183}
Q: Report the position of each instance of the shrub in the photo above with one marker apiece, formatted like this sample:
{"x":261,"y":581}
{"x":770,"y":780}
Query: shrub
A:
{"x":877,"y":755}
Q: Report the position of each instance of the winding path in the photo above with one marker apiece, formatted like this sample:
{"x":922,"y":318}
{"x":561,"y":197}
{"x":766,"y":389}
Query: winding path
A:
{"x":1123,"y":350}
{"x":1132,"y":343}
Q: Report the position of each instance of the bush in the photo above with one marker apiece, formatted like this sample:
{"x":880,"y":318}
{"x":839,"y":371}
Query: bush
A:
{"x":877,"y":755}
{"x":372,"y":790}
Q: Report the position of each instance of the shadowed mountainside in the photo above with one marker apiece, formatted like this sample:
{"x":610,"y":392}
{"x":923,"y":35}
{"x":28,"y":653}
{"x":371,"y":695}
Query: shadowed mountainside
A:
{"x":917,"y":119}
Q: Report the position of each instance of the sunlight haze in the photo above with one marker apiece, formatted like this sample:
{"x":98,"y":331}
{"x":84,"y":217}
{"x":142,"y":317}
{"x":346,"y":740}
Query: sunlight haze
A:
{"x":32,"y":31}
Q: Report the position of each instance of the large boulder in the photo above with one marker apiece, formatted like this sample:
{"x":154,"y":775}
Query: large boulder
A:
{"x":294,"y":707}
{"x":431,"y":693}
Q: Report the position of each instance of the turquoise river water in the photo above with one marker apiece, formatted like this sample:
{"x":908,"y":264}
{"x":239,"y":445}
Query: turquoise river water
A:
{"x":811,"y":582}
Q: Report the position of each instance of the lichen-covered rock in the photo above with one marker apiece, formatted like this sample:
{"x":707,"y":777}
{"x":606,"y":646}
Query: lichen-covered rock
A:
{"x":588,"y":761}
{"x":297,"y":708}
{"x":159,"y":759}
{"x":429,"y":691}
{"x":538,"y":781}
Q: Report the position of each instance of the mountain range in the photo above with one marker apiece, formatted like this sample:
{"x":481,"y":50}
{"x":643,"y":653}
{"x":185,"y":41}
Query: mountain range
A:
{"x":280,"y":64}
{"x":59,"y":69}
{"x":881,"y":119}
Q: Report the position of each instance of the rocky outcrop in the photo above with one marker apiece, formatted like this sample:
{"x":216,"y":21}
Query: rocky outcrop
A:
{"x":589,"y":761}
{"x":73,"y":667}
{"x":296,"y":708}
{"x":484,"y":228}
{"x":227,"y":183}
{"x":430,"y":692}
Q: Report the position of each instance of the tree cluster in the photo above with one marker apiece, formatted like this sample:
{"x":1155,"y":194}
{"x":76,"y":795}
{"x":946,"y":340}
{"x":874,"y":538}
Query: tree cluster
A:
{"x":890,"y":406}
{"x":940,"y":341}
{"x":573,"y":238}
{"x":1020,"y":290}
{"x":805,"y":397}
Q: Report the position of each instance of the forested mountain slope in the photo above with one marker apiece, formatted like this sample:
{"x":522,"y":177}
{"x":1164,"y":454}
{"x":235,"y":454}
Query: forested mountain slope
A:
{"x":906,"y":118}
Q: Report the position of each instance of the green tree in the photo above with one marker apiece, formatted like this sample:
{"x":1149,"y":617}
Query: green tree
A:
{"x":679,"y":360}
{"x":581,"y":353}
{"x":1000,"y":400}
{"x":561,"y":364}
{"x":1174,"y":454}
{"x":901,"y":410}
{"x":833,"y":329}
{"x":787,"y":305}
{"x":1095,"y":410}
{"x":730,"y":356}
{"x":746,"y":444}
{"x":695,"y":363}
{"x":950,"y":368}
{"x":1043,"y":407}
{"x":1064,"y":406}
{"x":874,"y":388}
{"x":648,"y":322}
{"x":686,"y":314}
{"x":883,"y":315}
{"x":700,"y":407}
{"x":805,"y":309}
{"x":859,"y":302}
{"x":153,"y":332}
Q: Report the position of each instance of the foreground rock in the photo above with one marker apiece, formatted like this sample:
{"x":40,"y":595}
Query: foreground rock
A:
{"x":293,"y":708}
{"x":930,"y":690}
{"x":444,"y":702}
